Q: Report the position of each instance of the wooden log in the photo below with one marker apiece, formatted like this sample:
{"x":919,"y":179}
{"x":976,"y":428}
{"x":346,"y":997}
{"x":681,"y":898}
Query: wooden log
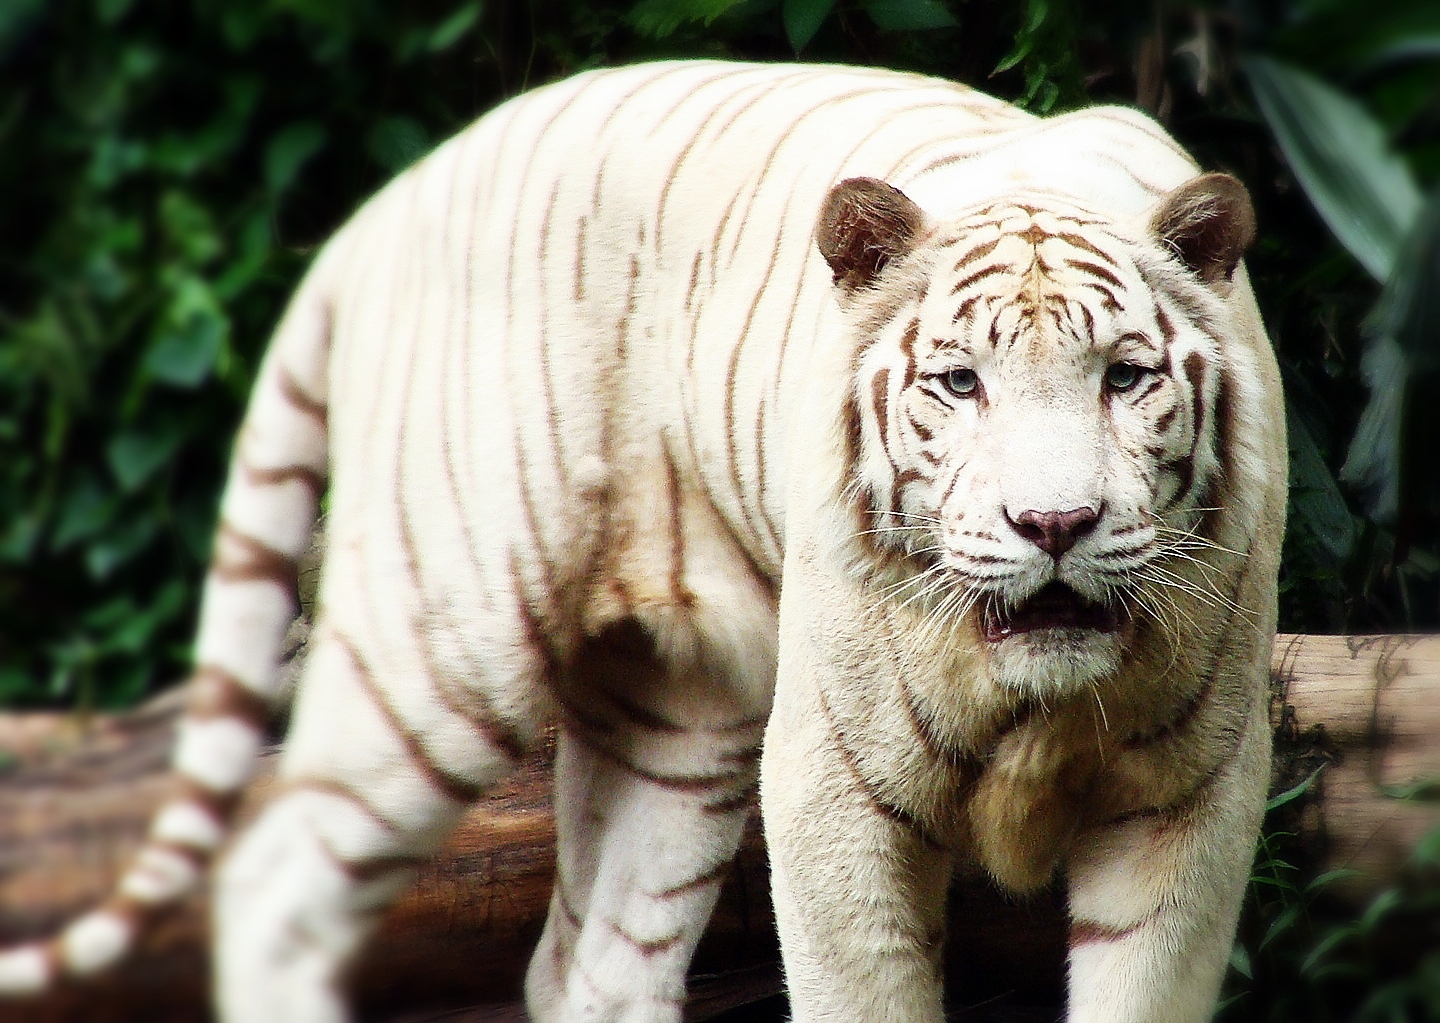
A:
{"x":76,"y":795}
{"x":1370,"y":707}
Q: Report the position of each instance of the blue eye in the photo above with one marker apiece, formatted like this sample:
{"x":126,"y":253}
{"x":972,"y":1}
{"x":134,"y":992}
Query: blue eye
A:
{"x":1122,"y":376}
{"x":963,"y":383}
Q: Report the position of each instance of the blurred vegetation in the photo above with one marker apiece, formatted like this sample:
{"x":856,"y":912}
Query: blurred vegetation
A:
{"x":166,"y":170}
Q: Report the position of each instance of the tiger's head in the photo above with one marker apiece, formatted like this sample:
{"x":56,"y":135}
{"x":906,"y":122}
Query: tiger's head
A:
{"x":1036,"y":413}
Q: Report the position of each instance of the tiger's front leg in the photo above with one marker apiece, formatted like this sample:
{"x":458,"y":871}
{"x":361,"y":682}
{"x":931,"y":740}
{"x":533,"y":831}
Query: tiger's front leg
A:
{"x":1154,"y":899}
{"x":859,"y":891}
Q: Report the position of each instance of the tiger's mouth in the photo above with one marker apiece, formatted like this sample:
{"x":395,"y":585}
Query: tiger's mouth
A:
{"x":1056,"y":606}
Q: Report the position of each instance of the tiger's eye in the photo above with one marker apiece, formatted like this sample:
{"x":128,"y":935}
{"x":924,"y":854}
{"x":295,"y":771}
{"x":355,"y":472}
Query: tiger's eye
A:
{"x":1122,"y":376}
{"x":963,"y":383}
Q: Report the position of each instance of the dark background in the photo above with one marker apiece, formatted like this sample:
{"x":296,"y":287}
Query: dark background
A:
{"x":168,"y":169}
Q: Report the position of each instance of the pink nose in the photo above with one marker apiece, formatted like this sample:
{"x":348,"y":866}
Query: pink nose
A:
{"x":1054,"y":532}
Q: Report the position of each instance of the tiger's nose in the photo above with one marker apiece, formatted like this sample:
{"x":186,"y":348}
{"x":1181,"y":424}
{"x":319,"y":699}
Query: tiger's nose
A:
{"x":1054,"y":532}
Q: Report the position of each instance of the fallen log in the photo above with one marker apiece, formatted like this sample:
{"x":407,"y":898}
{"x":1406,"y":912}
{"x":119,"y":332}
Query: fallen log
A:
{"x":76,"y":794}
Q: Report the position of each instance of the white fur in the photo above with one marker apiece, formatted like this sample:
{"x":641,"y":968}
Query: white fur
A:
{"x":242,"y":625}
{"x":219,"y":753}
{"x":94,"y":942}
{"x":188,"y":824}
{"x":24,"y":971}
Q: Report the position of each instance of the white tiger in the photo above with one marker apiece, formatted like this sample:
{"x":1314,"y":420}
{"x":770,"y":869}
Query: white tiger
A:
{"x":589,"y":382}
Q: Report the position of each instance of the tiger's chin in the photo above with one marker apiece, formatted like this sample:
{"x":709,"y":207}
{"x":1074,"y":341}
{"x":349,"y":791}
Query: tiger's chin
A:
{"x":1054,"y":641}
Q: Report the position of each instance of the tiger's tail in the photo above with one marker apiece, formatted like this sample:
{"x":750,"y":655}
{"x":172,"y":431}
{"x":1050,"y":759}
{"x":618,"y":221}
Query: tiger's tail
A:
{"x":277,"y":475}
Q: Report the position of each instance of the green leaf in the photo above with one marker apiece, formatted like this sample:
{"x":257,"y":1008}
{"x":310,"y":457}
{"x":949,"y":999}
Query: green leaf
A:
{"x":1372,"y":463}
{"x":111,"y":11}
{"x":1427,"y":852}
{"x":1294,"y":792}
{"x":1408,"y":309}
{"x":16,"y":19}
{"x":189,"y":226}
{"x":118,"y":547}
{"x":1240,"y":961}
{"x":1280,"y":925}
{"x":909,"y":15}
{"x":135,"y":456}
{"x":1339,"y":153}
{"x":86,"y":509}
{"x":1036,"y":11}
{"x":131,"y":632}
{"x":1022,"y":49}
{"x":1330,"y":877}
{"x":397,"y":141}
{"x":803,"y":19}
{"x":289,"y":150}
{"x":1380,"y":907}
{"x":1316,"y":502}
{"x":1353,"y":37}
{"x":1317,"y":954}
{"x":449,"y":32}
{"x":660,"y":18}
{"x":191,"y":338}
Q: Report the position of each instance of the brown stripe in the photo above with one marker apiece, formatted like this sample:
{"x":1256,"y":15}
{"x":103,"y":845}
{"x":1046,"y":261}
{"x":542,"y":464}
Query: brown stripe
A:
{"x":340,"y":789}
{"x":53,"y":959}
{"x":1164,"y":731}
{"x":219,"y":805}
{"x":965,"y":308}
{"x":979,"y":275}
{"x":879,"y":806}
{"x":646,"y":947}
{"x":194,"y":855}
{"x":545,"y":369}
{"x":370,"y":868}
{"x":1081,"y":242}
{"x":567,"y":909}
{"x":531,"y":626}
{"x":1084,"y":932}
{"x":482,"y":716}
{"x":1107,"y":297}
{"x":215,"y":693}
{"x":578,"y":295}
{"x":686,"y":783}
{"x":638,"y":714}
{"x":978,"y":252}
{"x":1167,"y":329}
{"x":713,"y":876}
{"x":312,"y":479}
{"x":742,"y":800}
{"x":920,"y":725}
{"x":253,"y":560}
{"x":1085,"y":266}
{"x":678,"y":590}
{"x":455,"y":788}
{"x":296,"y":397}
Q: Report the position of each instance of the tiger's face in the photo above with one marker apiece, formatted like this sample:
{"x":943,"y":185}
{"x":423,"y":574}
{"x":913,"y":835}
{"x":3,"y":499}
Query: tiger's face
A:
{"x":1035,"y":435}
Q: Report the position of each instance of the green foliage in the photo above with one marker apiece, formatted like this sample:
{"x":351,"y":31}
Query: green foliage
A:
{"x":168,"y":171}
{"x":1303,"y":953}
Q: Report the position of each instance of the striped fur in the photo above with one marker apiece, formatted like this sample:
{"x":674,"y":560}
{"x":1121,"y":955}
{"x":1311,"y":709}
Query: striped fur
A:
{"x":583,"y":389}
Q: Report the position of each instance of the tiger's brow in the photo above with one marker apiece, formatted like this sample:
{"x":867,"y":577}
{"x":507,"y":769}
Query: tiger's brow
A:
{"x":950,"y":346}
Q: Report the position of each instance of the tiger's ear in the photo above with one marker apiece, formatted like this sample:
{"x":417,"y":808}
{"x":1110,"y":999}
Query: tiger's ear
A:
{"x":864,"y":224}
{"x":1209,"y":223}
